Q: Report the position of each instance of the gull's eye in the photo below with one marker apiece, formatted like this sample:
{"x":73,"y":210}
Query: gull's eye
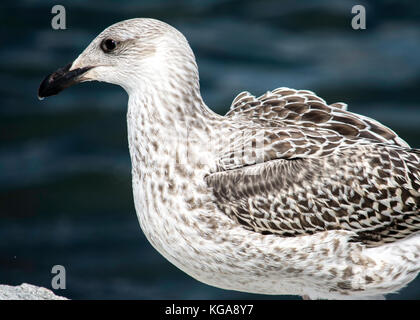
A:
{"x":107,"y":45}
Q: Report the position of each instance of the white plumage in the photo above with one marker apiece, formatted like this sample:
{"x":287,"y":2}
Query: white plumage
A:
{"x":284,"y":195}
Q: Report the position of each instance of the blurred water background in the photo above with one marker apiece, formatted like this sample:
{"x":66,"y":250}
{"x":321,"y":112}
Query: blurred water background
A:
{"x":65,"y":186}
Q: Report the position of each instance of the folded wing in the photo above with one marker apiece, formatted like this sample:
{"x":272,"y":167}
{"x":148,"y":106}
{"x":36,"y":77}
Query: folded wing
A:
{"x":287,"y":175}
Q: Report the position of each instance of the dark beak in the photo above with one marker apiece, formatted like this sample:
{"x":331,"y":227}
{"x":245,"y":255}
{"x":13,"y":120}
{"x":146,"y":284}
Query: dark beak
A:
{"x":60,"y":80}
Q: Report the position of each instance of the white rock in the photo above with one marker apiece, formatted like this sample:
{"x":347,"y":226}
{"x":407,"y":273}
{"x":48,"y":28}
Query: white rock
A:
{"x":27,"y":292}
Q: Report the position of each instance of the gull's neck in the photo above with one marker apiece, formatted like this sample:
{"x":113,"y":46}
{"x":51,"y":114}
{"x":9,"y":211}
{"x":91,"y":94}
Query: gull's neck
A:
{"x":167,"y":119}
{"x":169,"y":93}
{"x":166,"y":103}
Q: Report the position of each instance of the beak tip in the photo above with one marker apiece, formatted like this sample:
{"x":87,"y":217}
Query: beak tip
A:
{"x":59,"y":80}
{"x":44,"y":89}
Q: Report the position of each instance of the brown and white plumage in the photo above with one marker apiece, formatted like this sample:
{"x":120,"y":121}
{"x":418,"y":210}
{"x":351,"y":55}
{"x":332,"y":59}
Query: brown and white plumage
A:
{"x":320,"y":168}
{"x":284,"y":195}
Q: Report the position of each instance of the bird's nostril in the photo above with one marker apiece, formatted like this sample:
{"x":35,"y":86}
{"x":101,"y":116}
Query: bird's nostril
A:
{"x":53,"y":77}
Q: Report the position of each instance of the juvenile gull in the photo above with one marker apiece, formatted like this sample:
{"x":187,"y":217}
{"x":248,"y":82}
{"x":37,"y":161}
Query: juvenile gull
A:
{"x":285,"y":194}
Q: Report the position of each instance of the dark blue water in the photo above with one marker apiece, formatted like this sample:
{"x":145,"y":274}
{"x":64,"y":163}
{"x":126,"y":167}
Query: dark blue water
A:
{"x":65,"y":188}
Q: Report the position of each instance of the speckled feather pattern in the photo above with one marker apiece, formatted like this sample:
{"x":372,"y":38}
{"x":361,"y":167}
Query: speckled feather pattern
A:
{"x":320,"y":168}
{"x":284,"y":195}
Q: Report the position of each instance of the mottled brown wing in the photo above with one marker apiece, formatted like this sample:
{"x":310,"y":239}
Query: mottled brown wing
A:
{"x":302,"y":108}
{"x":370,"y":189}
{"x":252,"y":144}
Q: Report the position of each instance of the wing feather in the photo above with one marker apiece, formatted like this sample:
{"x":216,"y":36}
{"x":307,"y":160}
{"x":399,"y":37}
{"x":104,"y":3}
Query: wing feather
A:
{"x":290,"y":107}
{"x":296,"y":165}
{"x":365,"y":189}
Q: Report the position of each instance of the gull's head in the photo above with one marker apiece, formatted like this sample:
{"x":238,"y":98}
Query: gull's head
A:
{"x":134,"y":54}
